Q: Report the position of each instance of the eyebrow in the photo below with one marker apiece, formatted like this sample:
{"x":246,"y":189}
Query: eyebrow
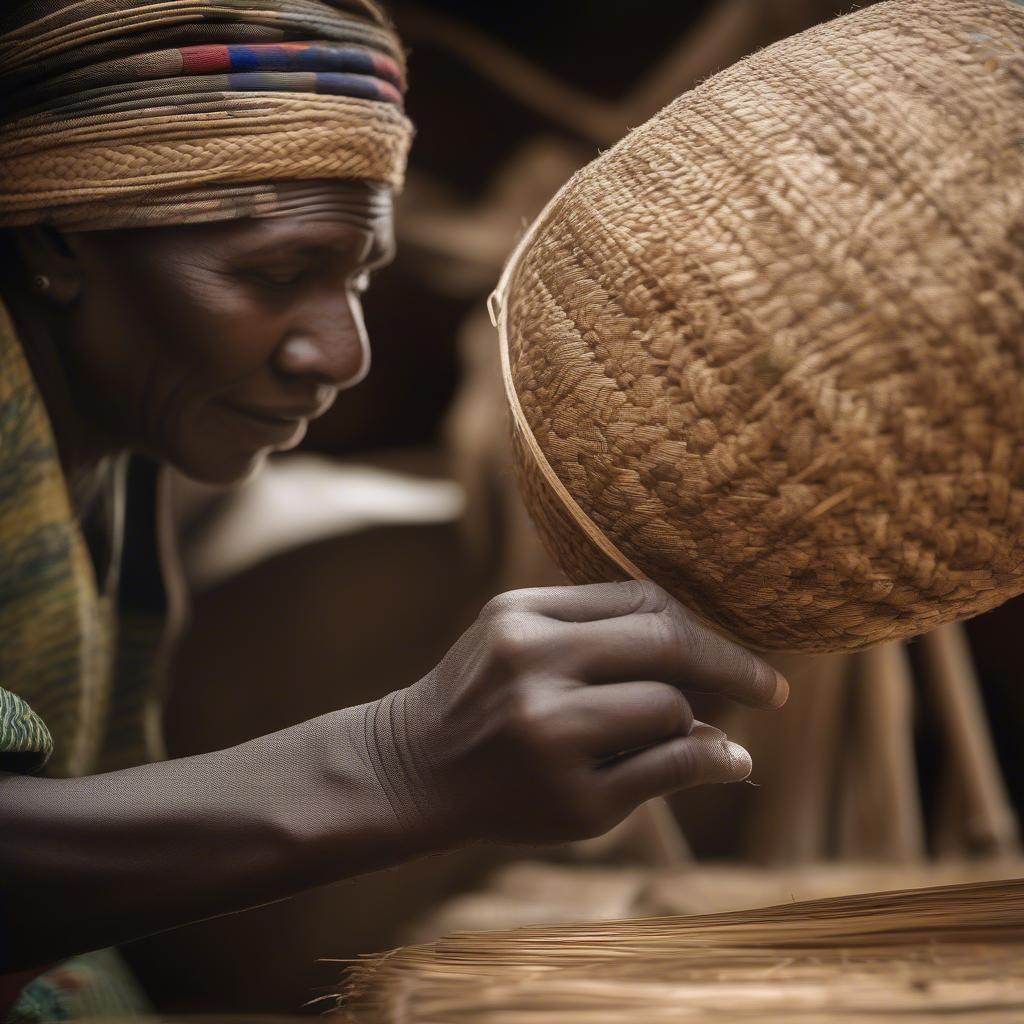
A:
{"x":327,"y":216}
{"x":381,"y":249}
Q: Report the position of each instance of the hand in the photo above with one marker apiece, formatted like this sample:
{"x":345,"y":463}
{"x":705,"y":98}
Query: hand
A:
{"x":558,"y":712}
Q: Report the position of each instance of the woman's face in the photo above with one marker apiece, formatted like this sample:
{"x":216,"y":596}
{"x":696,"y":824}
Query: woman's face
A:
{"x":209,"y":346}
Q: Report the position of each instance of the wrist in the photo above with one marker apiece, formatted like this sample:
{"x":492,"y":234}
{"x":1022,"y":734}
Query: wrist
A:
{"x":379,"y":803}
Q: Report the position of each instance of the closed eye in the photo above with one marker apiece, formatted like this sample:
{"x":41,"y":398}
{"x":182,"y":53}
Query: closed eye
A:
{"x":279,"y":278}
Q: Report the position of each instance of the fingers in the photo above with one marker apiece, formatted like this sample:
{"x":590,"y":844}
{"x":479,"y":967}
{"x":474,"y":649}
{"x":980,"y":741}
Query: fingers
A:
{"x":673,"y":647}
{"x":610,"y":632}
{"x":613,"y":719}
{"x":588,"y":603}
{"x":702,"y":758}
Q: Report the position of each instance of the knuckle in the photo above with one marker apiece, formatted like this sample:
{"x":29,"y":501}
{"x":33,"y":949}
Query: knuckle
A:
{"x":500,"y":604}
{"x":684,"y":765}
{"x":530,"y":722}
{"x":506,"y":649}
{"x":651,"y":597}
{"x":675,"y":709}
{"x":684,"y":625}
{"x":691,"y":641}
{"x":510,"y":641}
{"x":671,"y":631}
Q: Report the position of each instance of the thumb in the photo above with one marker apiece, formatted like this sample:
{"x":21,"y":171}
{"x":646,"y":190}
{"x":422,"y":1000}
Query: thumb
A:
{"x":705,"y":757}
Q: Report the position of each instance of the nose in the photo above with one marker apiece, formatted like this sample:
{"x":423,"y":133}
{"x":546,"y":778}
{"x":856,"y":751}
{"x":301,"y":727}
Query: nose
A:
{"x":327,"y":343}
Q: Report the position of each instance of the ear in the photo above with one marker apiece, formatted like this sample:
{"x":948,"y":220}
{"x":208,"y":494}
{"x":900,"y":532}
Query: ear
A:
{"x":50,"y":263}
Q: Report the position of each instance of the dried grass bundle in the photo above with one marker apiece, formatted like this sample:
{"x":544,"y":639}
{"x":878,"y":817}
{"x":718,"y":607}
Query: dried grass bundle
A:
{"x":955,"y":951}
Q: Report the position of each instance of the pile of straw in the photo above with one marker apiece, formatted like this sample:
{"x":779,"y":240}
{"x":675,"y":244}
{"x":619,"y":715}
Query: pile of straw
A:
{"x":955,"y":952}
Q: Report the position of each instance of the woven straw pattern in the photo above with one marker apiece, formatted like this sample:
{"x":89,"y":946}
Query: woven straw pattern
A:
{"x":249,"y":138}
{"x":772,"y":343}
{"x":156,"y":142}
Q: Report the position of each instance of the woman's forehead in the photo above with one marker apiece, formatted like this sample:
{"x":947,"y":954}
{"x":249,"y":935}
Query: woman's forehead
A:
{"x":365,"y":204}
{"x":309,"y":215}
{"x":326,"y":214}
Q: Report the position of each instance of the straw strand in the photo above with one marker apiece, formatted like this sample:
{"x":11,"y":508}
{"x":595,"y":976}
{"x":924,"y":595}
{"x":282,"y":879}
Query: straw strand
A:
{"x":955,"y":951}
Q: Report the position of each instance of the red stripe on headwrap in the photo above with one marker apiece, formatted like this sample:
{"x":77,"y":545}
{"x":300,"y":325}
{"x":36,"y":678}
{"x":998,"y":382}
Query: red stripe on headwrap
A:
{"x":201,"y":59}
{"x":388,"y":69}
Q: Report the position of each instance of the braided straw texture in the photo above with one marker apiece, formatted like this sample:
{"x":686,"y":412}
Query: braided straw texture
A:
{"x":768,"y":350}
{"x":64,"y":175}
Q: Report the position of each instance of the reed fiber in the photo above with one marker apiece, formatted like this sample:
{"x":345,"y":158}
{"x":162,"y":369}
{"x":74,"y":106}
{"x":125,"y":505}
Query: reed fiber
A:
{"x":955,"y":953}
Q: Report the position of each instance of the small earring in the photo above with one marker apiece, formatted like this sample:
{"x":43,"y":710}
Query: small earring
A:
{"x":41,"y":283}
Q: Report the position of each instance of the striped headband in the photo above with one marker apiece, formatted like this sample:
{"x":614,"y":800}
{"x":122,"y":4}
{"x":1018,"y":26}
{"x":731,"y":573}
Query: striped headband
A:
{"x":137,"y":112}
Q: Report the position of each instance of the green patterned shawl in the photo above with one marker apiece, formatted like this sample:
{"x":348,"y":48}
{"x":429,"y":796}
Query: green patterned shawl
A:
{"x":60,"y":708}
{"x":55,"y":628}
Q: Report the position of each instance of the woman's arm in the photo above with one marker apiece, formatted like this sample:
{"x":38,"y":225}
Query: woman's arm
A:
{"x":90,"y":862}
{"x":557,"y":713}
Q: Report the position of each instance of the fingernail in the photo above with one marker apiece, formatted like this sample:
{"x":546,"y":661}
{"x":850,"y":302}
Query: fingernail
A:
{"x":781,"y":694}
{"x":739,"y":760}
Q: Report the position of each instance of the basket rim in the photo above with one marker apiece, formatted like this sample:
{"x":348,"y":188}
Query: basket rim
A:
{"x":497,"y":307}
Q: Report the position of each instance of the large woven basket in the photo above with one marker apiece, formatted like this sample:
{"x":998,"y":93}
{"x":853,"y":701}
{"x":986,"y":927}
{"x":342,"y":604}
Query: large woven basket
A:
{"x":768,"y":350}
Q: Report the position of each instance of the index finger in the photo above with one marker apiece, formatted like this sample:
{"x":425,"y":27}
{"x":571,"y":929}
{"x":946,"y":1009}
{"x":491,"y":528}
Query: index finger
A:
{"x":671,"y":646}
{"x":715,"y":664}
{"x":589,"y":602}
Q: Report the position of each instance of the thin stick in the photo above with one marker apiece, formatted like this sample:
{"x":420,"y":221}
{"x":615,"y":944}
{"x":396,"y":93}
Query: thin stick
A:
{"x":991,"y":823}
{"x":884,"y":774}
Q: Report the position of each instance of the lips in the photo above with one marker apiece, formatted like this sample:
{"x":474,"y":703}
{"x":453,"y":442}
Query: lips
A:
{"x":272,"y":428}
{"x":274,"y":417}
{"x":276,"y":427}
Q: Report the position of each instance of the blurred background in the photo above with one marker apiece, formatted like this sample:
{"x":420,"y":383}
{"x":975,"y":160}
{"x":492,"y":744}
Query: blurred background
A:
{"x":347,"y":569}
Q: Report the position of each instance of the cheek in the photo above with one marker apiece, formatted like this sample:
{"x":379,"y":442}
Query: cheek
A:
{"x":186,"y":338}
{"x":209,"y":333}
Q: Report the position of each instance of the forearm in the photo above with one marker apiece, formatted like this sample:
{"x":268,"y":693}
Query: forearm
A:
{"x":518,"y":735}
{"x":90,"y":862}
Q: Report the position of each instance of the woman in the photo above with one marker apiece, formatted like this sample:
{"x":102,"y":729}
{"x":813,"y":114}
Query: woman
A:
{"x":195,"y":195}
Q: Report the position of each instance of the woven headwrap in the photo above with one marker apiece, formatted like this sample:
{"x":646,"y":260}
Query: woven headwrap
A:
{"x":117,"y":113}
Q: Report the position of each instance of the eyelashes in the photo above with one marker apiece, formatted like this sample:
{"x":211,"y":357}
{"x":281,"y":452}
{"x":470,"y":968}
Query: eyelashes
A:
{"x":290,"y":279}
{"x":277,"y":280}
